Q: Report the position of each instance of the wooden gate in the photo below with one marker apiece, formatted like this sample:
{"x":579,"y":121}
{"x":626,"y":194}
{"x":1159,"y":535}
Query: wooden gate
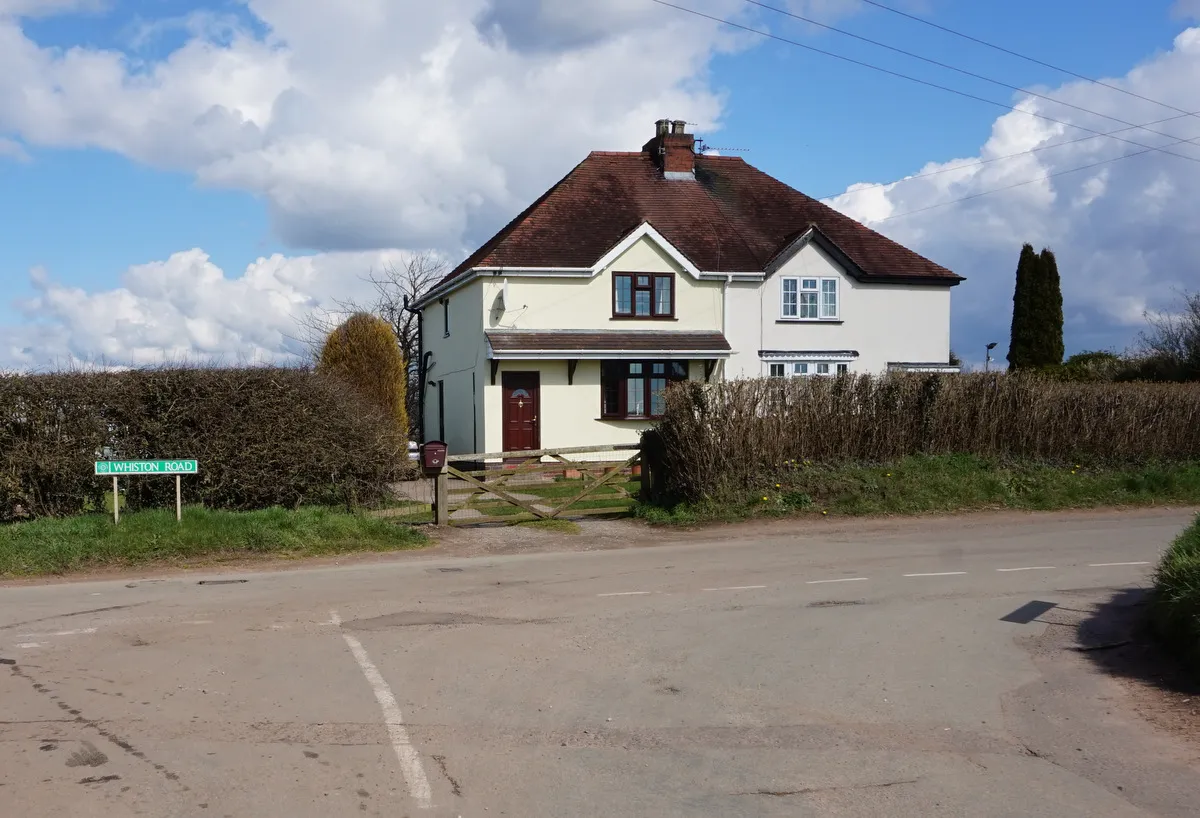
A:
{"x":537,"y":485}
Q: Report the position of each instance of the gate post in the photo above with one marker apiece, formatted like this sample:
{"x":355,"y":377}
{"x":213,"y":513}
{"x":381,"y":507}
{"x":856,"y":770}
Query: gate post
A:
{"x":441,"y":497}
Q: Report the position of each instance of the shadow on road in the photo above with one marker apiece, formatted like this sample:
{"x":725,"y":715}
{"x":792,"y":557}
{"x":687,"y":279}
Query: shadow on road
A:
{"x":1116,"y":636}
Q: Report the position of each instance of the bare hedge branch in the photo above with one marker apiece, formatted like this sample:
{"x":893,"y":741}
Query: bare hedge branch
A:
{"x":719,"y":440}
{"x":264,"y":437}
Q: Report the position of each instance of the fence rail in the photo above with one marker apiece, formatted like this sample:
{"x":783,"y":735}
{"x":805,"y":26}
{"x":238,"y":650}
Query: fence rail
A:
{"x":544,"y":484}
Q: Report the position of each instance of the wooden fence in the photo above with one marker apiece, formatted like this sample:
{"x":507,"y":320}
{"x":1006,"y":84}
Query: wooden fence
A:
{"x":545,"y":484}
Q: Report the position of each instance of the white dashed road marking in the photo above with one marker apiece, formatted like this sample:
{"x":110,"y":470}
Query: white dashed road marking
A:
{"x":941,"y":574}
{"x":406,"y":753}
{"x":737,"y":588}
{"x":1030,"y":568}
{"x":1114,"y":564}
{"x":825,"y":581}
{"x":627,"y":593}
{"x":57,"y":633}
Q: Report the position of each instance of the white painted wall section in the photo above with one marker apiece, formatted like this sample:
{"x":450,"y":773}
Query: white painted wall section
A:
{"x":882,"y":322}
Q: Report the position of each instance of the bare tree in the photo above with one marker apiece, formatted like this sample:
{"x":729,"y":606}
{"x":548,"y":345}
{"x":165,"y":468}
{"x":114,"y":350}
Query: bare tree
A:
{"x":396,"y":289}
{"x":1172,"y":344}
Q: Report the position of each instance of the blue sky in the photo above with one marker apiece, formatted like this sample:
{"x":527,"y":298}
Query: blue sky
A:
{"x":116,"y":173}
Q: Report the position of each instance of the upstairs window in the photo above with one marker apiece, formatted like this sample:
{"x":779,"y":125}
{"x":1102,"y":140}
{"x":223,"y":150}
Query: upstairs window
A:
{"x":643,"y":295}
{"x":445,"y":317}
{"x":808,"y":299}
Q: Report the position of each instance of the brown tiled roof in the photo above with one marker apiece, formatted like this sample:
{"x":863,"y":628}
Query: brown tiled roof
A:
{"x":605,"y":341}
{"x":732,"y":218}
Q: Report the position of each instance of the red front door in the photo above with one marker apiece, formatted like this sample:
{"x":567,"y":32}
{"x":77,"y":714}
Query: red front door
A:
{"x":521,"y":407}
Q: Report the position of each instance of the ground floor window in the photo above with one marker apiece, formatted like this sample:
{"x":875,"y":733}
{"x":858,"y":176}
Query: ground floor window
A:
{"x":804,"y":369}
{"x":637,"y":389}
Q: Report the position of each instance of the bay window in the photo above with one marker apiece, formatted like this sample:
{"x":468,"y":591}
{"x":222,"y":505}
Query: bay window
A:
{"x":637,"y":389}
{"x":805,"y":369}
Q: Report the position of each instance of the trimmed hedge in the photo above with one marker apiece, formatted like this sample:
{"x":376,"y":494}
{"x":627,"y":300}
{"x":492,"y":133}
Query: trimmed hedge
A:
{"x":1175,"y":605}
{"x":264,"y":437}
{"x":716,"y":442}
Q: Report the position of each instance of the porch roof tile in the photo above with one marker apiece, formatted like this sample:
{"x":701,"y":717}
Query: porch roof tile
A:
{"x":648,"y":341}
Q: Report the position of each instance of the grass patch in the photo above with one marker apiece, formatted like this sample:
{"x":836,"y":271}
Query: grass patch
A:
{"x":556,"y":525}
{"x":1175,"y":605}
{"x":939,"y":484}
{"x":59,"y":546}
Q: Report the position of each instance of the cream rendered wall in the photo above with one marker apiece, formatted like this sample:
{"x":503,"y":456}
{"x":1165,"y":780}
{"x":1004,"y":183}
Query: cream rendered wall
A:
{"x":569,"y":415}
{"x":883,"y":322}
{"x":564,"y":302}
{"x":459,"y":360}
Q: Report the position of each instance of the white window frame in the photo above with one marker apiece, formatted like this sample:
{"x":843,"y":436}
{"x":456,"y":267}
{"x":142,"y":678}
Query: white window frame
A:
{"x":808,"y":369}
{"x":817,"y":291}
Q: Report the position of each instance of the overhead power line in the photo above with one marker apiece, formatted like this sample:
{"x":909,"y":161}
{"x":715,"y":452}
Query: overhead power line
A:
{"x":1041,"y":178}
{"x":1016,"y":155}
{"x":949,"y":67}
{"x":1019,"y":55}
{"x":917,"y":80}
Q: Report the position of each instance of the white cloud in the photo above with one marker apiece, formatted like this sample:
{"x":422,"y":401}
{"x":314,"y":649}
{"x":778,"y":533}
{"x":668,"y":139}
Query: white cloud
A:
{"x":186,"y":308}
{"x":400,"y":123}
{"x":11,"y":149}
{"x":381,"y":122}
{"x":1126,"y":234}
{"x":48,"y":8}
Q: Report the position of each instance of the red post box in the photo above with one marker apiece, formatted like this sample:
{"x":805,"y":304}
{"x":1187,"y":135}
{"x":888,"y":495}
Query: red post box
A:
{"x":433,"y":456}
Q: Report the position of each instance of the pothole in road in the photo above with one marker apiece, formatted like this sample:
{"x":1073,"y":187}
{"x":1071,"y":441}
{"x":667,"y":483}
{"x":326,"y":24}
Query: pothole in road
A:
{"x":836,"y":603}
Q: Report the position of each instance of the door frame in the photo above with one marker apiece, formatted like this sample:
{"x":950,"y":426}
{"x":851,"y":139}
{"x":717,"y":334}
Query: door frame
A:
{"x":526,"y":378}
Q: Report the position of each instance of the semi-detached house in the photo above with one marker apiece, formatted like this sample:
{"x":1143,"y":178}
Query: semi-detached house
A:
{"x":640,"y":269}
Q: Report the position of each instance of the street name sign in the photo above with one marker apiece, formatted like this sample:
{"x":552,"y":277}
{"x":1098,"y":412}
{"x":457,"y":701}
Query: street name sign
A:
{"x":165,"y":467}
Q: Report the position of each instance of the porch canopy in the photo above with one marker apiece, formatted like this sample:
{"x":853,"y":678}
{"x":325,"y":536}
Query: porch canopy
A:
{"x":592,"y":345}
{"x":605,"y":345}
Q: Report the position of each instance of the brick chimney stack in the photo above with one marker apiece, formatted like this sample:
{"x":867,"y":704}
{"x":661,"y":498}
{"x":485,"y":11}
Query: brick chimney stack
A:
{"x":673,"y":150}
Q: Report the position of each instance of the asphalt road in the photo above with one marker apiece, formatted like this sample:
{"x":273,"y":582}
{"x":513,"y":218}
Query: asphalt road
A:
{"x":901,"y":673}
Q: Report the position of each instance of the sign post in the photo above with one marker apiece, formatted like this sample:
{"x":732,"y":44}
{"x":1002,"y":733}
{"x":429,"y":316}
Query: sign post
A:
{"x":178,"y":468}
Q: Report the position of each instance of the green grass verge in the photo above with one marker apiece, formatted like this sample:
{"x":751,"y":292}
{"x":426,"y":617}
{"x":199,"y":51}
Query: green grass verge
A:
{"x":59,"y":546}
{"x":1175,"y":603}
{"x":923,"y":485}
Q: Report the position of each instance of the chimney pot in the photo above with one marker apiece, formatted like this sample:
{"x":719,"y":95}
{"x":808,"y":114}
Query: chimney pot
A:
{"x":673,"y":150}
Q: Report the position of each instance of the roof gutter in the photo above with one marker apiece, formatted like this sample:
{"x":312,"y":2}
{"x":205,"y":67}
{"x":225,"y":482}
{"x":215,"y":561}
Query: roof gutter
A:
{"x":606,"y":354}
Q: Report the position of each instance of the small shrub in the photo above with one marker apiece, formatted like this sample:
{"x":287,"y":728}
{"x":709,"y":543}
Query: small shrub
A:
{"x":364,"y":353}
{"x":1175,"y":603}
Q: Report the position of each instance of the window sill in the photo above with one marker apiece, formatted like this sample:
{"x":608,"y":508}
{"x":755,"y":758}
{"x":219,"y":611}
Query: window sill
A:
{"x":809,"y":321}
{"x":644,"y":318}
{"x":637,"y":418}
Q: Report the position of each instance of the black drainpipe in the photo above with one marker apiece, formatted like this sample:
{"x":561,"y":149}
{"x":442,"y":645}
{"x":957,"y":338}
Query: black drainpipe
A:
{"x":422,"y":367}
